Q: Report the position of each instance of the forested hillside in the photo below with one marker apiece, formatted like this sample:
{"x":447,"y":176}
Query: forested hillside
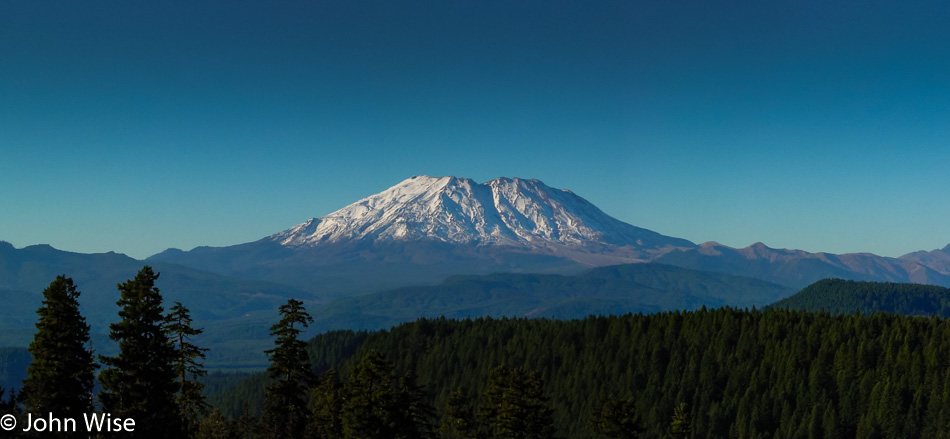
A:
{"x":615,"y":289}
{"x":732,"y":373}
{"x":846,"y":296}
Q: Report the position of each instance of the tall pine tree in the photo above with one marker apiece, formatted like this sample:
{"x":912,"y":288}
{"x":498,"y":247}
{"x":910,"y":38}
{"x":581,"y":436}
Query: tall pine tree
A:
{"x":285,"y":399}
{"x":514,"y":405}
{"x":140,"y":381}
{"x":680,"y":425}
{"x":381,"y":405}
{"x":326,"y":399}
{"x":60,"y":378}
{"x":458,"y":417}
{"x":615,"y":418}
{"x":188,"y":367}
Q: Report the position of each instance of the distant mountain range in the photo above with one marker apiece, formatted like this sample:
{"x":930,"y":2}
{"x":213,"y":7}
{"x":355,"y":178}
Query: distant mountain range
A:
{"x":425,"y":228}
{"x":797,"y":268}
{"x":440,"y":246}
{"x":235,"y":313}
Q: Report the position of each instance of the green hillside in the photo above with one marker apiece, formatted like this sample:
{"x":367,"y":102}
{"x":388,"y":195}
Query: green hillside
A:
{"x":614,"y":289}
{"x":846,"y":297}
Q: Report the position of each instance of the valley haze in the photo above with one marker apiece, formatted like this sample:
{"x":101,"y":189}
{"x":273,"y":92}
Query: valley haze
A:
{"x":432,"y":246}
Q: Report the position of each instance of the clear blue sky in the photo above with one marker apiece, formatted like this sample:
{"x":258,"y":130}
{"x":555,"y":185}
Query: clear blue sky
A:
{"x":138,"y":126}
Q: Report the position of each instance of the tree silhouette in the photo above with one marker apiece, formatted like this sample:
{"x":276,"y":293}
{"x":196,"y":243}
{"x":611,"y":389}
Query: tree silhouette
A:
{"x":140,"y":381}
{"x":61,"y":375}
{"x":285,"y":399}
{"x":514,"y":406}
{"x":188,"y":367}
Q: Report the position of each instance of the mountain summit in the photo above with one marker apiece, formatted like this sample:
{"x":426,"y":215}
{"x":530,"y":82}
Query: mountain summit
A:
{"x":424,"y":229}
{"x":513,"y":212}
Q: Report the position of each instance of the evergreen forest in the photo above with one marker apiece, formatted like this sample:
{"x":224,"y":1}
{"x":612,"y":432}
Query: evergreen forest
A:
{"x":709,"y":373}
{"x":848,"y":296}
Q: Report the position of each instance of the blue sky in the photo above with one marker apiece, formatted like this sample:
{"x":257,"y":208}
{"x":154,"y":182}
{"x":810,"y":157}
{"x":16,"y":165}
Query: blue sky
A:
{"x":138,"y":126}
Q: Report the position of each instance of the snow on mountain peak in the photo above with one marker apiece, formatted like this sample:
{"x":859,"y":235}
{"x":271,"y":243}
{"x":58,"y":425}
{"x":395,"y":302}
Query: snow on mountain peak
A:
{"x":503,"y":211}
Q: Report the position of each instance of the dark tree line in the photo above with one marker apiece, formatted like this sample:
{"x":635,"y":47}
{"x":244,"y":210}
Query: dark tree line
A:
{"x":61,"y":375}
{"x":370,"y":400}
{"x":721,"y":373}
{"x":153,"y":378}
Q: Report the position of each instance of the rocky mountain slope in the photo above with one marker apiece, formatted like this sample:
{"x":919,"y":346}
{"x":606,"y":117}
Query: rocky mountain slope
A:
{"x":524,"y":214}
{"x":427,"y":228}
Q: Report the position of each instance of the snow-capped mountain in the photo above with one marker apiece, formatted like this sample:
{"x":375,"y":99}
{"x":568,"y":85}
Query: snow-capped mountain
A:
{"x":518,"y":213}
{"x":425,"y":229}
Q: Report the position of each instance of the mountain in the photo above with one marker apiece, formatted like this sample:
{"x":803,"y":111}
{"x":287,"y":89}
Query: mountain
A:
{"x":433,"y":246}
{"x":425,"y":229}
{"x":523,"y":214}
{"x":618,"y":289}
{"x":235,"y":313}
{"x":839,"y":296}
{"x":938,"y":260}
{"x":797,"y":268}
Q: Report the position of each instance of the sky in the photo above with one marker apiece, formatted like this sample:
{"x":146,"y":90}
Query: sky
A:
{"x":138,"y":126}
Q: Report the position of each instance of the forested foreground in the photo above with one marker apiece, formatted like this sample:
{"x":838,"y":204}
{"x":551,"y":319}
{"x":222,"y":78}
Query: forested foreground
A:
{"x":721,"y":373}
{"x":746,"y":374}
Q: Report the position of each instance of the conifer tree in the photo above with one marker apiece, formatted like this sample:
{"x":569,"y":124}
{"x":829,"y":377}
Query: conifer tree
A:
{"x":615,"y":418}
{"x":212,"y":426}
{"x":140,"y":381}
{"x":680,"y":424}
{"x":380,"y":405}
{"x":459,"y":418}
{"x":327,"y":401}
{"x":370,"y":407}
{"x":285,"y":399}
{"x":9,"y":405}
{"x":245,"y":426}
{"x":61,"y":375}
{"x":188,"y":367}
{"x":514,"y":406}
{"x":414,"y":417}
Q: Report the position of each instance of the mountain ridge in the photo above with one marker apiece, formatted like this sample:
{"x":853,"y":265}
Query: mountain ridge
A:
{"x":381,"y":244}
{"x":799,"y":268}
{"x":235,"y":313}
{"x":424,"y":229}
{"x":615,"y":289}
